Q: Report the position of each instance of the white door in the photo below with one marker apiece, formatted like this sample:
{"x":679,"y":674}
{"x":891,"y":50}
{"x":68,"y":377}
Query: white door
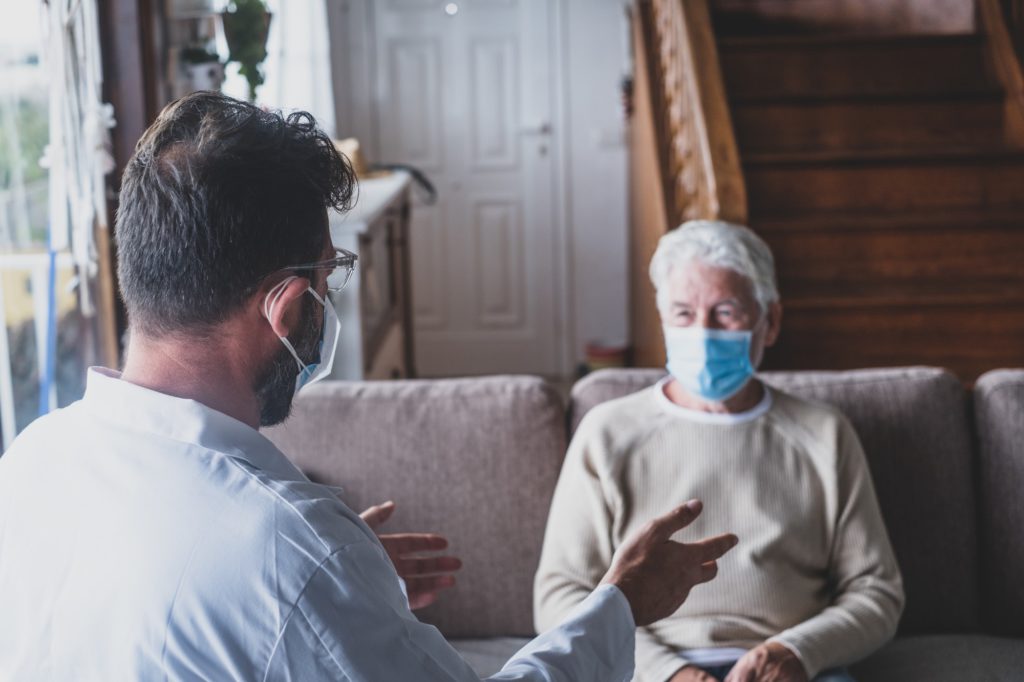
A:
{"x":463,"y":91}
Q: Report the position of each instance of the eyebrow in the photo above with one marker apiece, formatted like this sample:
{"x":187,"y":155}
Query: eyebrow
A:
{"x":724,"y":301}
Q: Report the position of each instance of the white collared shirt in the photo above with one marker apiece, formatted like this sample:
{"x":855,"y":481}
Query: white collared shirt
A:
{"x":147,"y":537}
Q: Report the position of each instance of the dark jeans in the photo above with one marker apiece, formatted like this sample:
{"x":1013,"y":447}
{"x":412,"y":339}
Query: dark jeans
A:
{"x":833,"y":675}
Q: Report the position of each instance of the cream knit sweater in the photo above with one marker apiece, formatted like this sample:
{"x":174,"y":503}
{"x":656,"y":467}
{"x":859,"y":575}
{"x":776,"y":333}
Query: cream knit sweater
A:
{"x":813,"y":570}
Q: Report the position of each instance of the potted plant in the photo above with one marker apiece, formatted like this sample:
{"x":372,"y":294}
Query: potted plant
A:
{"x":246,"y":24}
{"x":204,"y":68}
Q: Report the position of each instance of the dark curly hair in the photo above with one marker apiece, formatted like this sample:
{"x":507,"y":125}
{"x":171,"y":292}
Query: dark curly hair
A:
{"x":218,"y":194}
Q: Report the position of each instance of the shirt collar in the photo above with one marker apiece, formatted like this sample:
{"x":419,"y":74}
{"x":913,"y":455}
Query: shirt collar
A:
{"x":110,"y":398}
{"x":671,"y":408}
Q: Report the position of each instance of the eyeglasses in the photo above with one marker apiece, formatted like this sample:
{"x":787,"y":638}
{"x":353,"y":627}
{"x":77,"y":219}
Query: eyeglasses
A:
{"x":343,"y":265}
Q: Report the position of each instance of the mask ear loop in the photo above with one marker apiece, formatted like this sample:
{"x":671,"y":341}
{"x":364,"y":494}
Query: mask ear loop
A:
{"x":268,"y":309}
{"x":321,"y":301}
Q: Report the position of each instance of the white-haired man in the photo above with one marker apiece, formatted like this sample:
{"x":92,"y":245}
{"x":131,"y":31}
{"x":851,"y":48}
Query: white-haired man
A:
{"x":813,"y":584}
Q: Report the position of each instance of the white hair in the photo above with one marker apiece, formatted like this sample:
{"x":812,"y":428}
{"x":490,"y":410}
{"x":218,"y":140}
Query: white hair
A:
{"x":718,"y":244}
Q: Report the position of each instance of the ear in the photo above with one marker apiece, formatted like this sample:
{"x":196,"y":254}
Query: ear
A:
{"x":774,"y":324}
{"x":282,"y":304}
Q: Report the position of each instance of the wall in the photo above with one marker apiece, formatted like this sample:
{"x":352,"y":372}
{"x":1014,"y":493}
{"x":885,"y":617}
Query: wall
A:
{"x":596,"y":51}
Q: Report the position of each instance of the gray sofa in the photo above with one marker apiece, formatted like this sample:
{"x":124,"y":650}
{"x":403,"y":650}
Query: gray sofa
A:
{"x":477,"y":460}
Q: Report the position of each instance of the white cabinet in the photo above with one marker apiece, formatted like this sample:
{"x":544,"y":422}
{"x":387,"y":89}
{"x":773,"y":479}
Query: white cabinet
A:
{"x":375,"y":309}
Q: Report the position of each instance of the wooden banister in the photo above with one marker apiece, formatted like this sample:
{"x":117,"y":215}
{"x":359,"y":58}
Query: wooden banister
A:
{"x":684,"y":163}
{"x":1003,"y":25}
{"x":700,"y":162}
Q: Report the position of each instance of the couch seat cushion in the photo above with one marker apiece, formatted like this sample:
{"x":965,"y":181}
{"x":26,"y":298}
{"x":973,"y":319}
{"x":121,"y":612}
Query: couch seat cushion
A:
{"x":487,"y":656}
{"x":927,"y":658}
{"x":945,"y":658}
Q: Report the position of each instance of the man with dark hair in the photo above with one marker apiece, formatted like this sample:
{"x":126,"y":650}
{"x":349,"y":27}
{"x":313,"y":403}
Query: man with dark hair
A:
{"x":149,"y":531}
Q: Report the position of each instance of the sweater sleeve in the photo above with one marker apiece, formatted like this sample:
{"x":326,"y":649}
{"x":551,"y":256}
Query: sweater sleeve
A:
{"x":655,"y":660}
{"x":577,"y":549}
{"x":868,"y":590}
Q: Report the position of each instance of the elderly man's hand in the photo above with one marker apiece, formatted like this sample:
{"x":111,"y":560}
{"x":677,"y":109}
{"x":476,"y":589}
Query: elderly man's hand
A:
{"x":692,"y":673}
{"x":770,"y":662}
{"x":424,"y":576}
{"x":655,"y":573}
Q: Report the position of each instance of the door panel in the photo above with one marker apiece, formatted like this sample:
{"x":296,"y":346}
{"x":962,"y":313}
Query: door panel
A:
{"x":466,"y":97}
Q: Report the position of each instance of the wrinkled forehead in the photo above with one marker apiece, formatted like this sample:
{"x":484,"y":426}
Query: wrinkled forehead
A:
{"x":696,"y":284}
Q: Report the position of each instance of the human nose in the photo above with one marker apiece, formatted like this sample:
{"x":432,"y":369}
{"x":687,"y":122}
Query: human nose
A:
{"x":705,"y":320}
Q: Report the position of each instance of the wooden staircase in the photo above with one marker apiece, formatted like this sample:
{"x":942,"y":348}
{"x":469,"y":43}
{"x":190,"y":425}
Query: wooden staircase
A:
{"x":885,"y":174}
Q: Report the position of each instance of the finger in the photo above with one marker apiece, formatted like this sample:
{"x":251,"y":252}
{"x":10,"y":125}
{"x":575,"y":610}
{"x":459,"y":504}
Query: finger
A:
{"x":419,"y":601}
{"x":378,"y":514}
{"x":411,"y":543}
{"x":677,"y":519}
{"x":427,"y":566}
{"x":423,"y":585}
{"x":708,"y":571}
{"x":711,"y":549}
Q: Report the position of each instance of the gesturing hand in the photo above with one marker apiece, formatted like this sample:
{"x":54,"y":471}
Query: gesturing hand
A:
{"x":424,"y":576}
{"x":655,"y":573}
{"x":770,"y":662}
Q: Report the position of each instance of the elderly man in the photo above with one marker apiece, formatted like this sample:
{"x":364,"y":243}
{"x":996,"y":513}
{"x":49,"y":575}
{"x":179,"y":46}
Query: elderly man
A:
{"x":149,"y":532}
{"x":813,"y":583}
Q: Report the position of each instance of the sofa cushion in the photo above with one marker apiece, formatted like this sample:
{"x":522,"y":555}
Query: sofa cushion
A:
{"x":931,"y":658}
{"x":488,"y":656}
{"x":473,"y":459}
{"x":913,"y":423}
{"x":999,"y":412}
{"x":944,"y":658}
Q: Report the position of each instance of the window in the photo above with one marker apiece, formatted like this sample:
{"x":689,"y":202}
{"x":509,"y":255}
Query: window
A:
{"x":49,"y":330}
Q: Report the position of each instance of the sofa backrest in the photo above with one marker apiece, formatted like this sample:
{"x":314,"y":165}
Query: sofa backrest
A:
{"x":999,"y":414}
{"x":913,"y":423}
{"x":473,"y":459}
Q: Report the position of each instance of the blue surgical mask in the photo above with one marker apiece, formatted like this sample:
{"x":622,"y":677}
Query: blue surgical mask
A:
{"x":712,"y":364}
{"x":329,"y":330}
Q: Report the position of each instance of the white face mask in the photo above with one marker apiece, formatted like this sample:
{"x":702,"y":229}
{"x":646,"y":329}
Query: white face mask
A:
{"x":329,"y":331}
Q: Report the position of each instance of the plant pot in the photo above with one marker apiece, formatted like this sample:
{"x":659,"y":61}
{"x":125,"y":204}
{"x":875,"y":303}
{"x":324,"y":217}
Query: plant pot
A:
{"x":245,"y":31}
{"x":237,"y":30}
{"x":205,"y":75}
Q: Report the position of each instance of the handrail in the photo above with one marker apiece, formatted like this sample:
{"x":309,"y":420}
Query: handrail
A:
{"x":700,"y":164}
{"x":1006,"y":59}
{"x":683,"y":161}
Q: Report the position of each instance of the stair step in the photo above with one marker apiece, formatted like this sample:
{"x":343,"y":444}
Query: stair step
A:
{"x":956,"y":336}
{"x":763,"y":17}
{"x":925,"y":295}
{"x":831,"y":65}
{"x":857,"y":124}
{"x":940,"y":260}
{"x":913,"y":221}
{"x":882,"y":156}
{"x":884,"y":185}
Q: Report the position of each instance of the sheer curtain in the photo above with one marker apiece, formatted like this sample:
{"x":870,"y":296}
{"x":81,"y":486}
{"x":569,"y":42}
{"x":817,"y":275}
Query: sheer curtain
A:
{"x":54,"y":318}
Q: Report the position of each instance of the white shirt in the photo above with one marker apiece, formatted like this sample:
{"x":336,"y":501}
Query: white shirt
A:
{"x":147,"y":537}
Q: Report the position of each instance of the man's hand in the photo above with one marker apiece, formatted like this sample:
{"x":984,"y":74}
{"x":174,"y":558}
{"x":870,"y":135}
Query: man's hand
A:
{"x":655,"y":573}
{"x":770,"y":662}
{"x":424,"y":576}
{"x":692,"y":673}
